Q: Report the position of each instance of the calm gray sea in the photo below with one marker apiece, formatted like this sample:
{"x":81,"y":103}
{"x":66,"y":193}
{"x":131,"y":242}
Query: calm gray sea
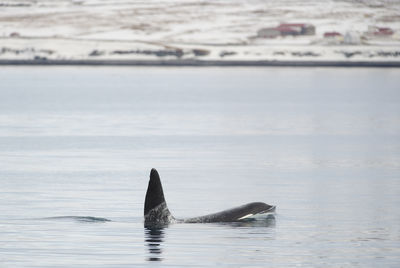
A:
{"x":323,"y":145}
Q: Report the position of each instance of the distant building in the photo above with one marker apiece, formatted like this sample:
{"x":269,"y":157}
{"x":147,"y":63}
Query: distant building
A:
{"x":268,"y":33}
{"x":301,"y":28}
{"x":14,"y":34}
{"x":351,"y":38}
{"x":333,"y":38}
{"x":380,"y":31}
{"x":285,"y":29}
{"x":332,"y":35}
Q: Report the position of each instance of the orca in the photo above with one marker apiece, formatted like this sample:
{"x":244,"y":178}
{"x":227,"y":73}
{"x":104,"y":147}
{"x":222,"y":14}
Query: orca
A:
{"x":156,"y":212}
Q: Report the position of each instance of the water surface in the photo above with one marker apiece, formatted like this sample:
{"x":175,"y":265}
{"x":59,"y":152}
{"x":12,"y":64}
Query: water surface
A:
{"x":77,"y":146}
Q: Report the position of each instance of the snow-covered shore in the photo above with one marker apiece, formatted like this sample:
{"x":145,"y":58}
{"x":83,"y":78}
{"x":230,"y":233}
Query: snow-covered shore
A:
{"x":193,"y":31}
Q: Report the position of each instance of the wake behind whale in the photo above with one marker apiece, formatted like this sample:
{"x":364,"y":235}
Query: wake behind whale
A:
{"x":156,"y":212}
{"x":89,"y":219}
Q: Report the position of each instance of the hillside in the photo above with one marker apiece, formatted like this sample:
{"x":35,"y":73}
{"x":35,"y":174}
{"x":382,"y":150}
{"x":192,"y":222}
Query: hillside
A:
{"x":204,"y":30}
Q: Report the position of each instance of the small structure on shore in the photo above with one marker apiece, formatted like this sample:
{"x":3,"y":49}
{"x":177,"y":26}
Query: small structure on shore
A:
{"x":380,"y":31}
{"x":285,"y":29}
{"x":333,"y":38}
{"x":298,"y":28}
{"x":351,"y":38}
{"x":14,"y":35}
{"x":268,"y":33}
{"x":332,"y":35}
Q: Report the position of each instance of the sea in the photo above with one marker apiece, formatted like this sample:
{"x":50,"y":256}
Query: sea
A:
{"x":321,"y":144}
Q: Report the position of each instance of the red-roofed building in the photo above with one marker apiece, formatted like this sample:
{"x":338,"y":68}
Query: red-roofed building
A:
{"x":383,"y":31}
{"x":285,"y":29}
{"x":333,"y":38}
{"x":332,"y":35}
{"x":380,"y":31}
{"x":303,"y":28}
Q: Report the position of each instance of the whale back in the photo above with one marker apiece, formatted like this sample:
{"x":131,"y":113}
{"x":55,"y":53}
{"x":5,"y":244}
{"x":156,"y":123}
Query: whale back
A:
{"x":157,"y":214}
{"x":155,"y":208}
{"x":234,"y":214}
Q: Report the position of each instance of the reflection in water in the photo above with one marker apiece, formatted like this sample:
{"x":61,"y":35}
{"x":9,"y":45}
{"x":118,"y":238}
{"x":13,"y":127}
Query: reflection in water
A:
{"x":154,"y":238}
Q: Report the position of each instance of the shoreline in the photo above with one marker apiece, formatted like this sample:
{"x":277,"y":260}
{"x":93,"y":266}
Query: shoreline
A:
{"x":202,"y":63}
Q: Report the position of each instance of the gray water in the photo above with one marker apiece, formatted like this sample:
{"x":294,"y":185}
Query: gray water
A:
{"x":77,"y":146}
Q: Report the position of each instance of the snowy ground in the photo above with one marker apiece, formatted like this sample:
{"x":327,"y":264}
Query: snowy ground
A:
{"x":193,"y":29}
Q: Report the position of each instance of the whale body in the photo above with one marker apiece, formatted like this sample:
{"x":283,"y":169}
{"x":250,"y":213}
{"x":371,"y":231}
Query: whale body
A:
{"x":156,"y":212}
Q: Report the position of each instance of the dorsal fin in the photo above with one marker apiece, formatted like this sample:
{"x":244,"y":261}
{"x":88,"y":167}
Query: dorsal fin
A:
{"x":155,"y":193}
{"x":156,"y":213}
